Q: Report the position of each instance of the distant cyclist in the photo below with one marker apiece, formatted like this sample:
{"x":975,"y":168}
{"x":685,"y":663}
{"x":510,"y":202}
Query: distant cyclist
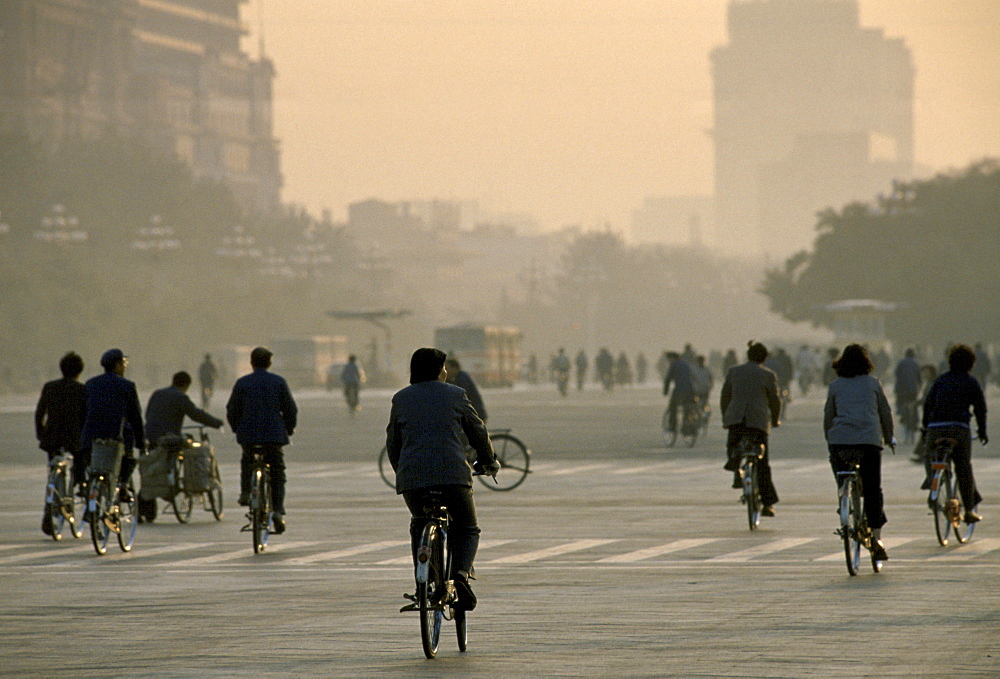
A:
{"x":59,"y":418}
{"x":946,"y":415}
{"x":560,"y":367}
{"x":424,"y":438}
{"x":207,"y":374}
{"x":461,"y":378}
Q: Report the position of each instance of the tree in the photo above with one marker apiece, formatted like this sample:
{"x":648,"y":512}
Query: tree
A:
{"x":930,"y":246}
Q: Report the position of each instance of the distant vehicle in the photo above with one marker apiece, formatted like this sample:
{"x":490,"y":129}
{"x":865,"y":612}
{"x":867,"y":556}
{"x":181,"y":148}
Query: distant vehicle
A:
{"x":490,"y":353}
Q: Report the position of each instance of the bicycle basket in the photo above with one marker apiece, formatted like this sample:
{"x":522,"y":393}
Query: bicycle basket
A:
{"x":106,"y":456}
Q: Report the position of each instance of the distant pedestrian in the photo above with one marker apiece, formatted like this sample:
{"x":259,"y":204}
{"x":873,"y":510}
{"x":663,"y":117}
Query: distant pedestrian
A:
{"x":352,"y":376}
{"x":207,"y":374}
{"x":640,"y":368}
{"x":581,"y":369}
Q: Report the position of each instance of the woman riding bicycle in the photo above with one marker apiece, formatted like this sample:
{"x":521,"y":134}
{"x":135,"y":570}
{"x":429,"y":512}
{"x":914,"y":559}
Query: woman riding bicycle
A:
{"x":424,"y":442}
{"x":946,"y":415}
{"x":857,"y":417}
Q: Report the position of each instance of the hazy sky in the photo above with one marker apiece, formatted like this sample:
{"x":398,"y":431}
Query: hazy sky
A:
{"x":572,"y":110}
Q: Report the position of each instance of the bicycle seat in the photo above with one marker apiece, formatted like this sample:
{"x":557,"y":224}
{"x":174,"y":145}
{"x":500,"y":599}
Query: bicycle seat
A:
{"x":946,"y":443}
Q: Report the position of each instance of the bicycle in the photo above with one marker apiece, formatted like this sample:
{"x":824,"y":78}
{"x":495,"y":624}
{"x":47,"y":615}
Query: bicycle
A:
{"x":514,"y":458}
{"x":945,"y":501}
{"x":854,"y":528}
{"x":186,"y":486}
{"x":260,"y":515}
{"x":435,"y":597}
{"x":107,"y":511}
{"x":693,"y":419}
{"x":750,"y":454}
{"x":61,"y":505}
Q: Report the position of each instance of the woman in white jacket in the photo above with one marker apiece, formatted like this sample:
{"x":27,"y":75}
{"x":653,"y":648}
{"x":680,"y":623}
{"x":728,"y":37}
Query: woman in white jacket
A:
{"x":857,"y":417}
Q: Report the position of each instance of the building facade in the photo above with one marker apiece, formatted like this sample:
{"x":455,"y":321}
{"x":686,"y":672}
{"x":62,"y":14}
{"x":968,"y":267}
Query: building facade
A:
{"x":811,"y":111}
{"x":168,"y":72}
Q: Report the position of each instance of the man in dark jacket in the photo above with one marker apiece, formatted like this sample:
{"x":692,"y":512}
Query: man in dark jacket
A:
{"x":424,"y":439}
{"x":263,"y":413}
{"x":461,"y":378}
{"x":113,"y":412}
{"x":59,"y":418}
{"x":750,"y":406}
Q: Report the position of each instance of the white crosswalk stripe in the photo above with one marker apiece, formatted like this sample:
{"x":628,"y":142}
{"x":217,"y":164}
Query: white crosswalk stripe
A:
{"x":213,"y":559}
{"x":970,"y":550}
{"x":349,"y":551}
{"x":890,"y":543}
{"x":762,"y":550}
{"x":659,"y":550}
{"x":408,"y":559}
{"x":558,"y":550}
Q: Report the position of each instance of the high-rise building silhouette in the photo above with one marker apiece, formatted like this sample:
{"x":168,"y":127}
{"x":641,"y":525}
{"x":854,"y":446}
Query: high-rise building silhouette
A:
{"x":169,"y":72}
{"x":811,"y":111}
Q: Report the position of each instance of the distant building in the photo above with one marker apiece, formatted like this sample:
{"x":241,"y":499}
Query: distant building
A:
{"x":169,"y":72}
{"x":674,"y":220}
{"x":811,"y":111}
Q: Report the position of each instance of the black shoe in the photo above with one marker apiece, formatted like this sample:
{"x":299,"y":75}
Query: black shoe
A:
{"x":878,"y":551}
{"x":278,"y":521}
{"x":926,"y":485}
{"x":931,"y":503}
{"x":732,"y":464}
{"x":972,"y":517}
{"x":244,"y":500}
{"x":767,"y":511}
{"x":737,"y":480}
{"x":124,"y":495}
{"x":466,"y":598}
{"x":47,"y":524}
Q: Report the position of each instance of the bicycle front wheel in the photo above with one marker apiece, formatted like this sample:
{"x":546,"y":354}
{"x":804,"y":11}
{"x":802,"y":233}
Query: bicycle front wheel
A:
{"x":128,"y":521}
{"x":941,"y":492}
{"x":385,"y":469}
{"x":514,"y":459}
{"x":850,"y":519}
{"x":99,"y":508}
{"x":181,"y":501}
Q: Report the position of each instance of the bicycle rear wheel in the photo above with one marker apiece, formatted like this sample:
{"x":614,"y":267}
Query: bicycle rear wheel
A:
{"x":963,"y":531}
{"x":128,"y":521}
{"x":514,"y":459}
{"x":99,"y":507}
{"x":181,"y":501}
{"x":751,"y":492}
{"x":941,"y":494}
{"x":260,"y":509}
{"x":215,"y":493}
{"x":53,"y":503}
{"x":850,"y":518}
{"x":430,"y":587}
{"x":385,"y":469}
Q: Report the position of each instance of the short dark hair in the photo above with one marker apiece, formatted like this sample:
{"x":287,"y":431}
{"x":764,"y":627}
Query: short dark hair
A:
{"x":756,"y":352}
{"x":961,"y":358}
{"x":260,"y":358}
{"x":426,"y":364}
{"x":181,"y":380}
{"x":853,"y":361}
{"x":71,"y":365}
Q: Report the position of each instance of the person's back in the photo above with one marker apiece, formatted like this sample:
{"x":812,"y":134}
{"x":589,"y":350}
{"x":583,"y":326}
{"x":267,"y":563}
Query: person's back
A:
{"x":424,"y":440}
{"x":62,"y":409}
{"x":167,"y":408}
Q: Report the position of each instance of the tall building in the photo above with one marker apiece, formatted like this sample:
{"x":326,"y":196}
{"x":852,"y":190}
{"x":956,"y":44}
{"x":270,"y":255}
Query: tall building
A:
{"x":169,"y":72}
{"x":811,"y":111}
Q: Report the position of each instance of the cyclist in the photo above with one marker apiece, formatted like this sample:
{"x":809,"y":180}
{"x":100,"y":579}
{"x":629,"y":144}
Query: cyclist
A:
{"x":165,"y":414}
{"x":113,"y":412}
{"x":352,"y":376}
{"x":560,"y":367}
{"x":59,"y":418}
{"x":750,"y":406}
{"x":857,"y":417}
{"x":946,"y":415}
{"x":207,"y":373}
{"x":262,"y":412}
{"x":678,"y":374}
{"x":907,"y":387}
{"x":460,"y":378}
{"x":424,"y":442}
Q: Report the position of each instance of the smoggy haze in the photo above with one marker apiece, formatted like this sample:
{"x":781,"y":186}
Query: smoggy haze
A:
{"x":571,"y":114}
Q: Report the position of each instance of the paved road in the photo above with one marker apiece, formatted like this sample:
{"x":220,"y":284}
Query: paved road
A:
{"x":616,"y":557}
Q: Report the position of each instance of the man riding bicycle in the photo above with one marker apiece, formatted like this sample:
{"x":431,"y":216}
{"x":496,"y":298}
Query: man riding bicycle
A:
{"x":679,"y":374}
{"x":750,"y":406}
{"x":424,"y":439}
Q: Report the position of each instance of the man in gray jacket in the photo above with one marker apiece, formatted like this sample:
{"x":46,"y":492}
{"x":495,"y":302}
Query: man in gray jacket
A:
{"x":426,"y":450}
{"x":750,"y":406}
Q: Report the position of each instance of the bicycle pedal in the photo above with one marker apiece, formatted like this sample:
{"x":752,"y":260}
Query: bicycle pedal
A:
{"x":411,"y":597}
{"x":409,"y":607}
{"x":246,"y":529}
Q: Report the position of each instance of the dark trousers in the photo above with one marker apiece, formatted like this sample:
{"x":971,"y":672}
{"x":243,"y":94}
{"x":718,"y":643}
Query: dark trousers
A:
{"x":961,"y":460}
{"x":463,"y":530}
{"x":768,"y":494}
{"x":870,"y":468}
{"x":275,"y":458}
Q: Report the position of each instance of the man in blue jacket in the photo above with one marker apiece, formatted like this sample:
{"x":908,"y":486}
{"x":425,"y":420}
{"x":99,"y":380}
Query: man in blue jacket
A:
{"x":113,"y":412}
{"x":426,"y":450}
{"x":262,"y":412}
